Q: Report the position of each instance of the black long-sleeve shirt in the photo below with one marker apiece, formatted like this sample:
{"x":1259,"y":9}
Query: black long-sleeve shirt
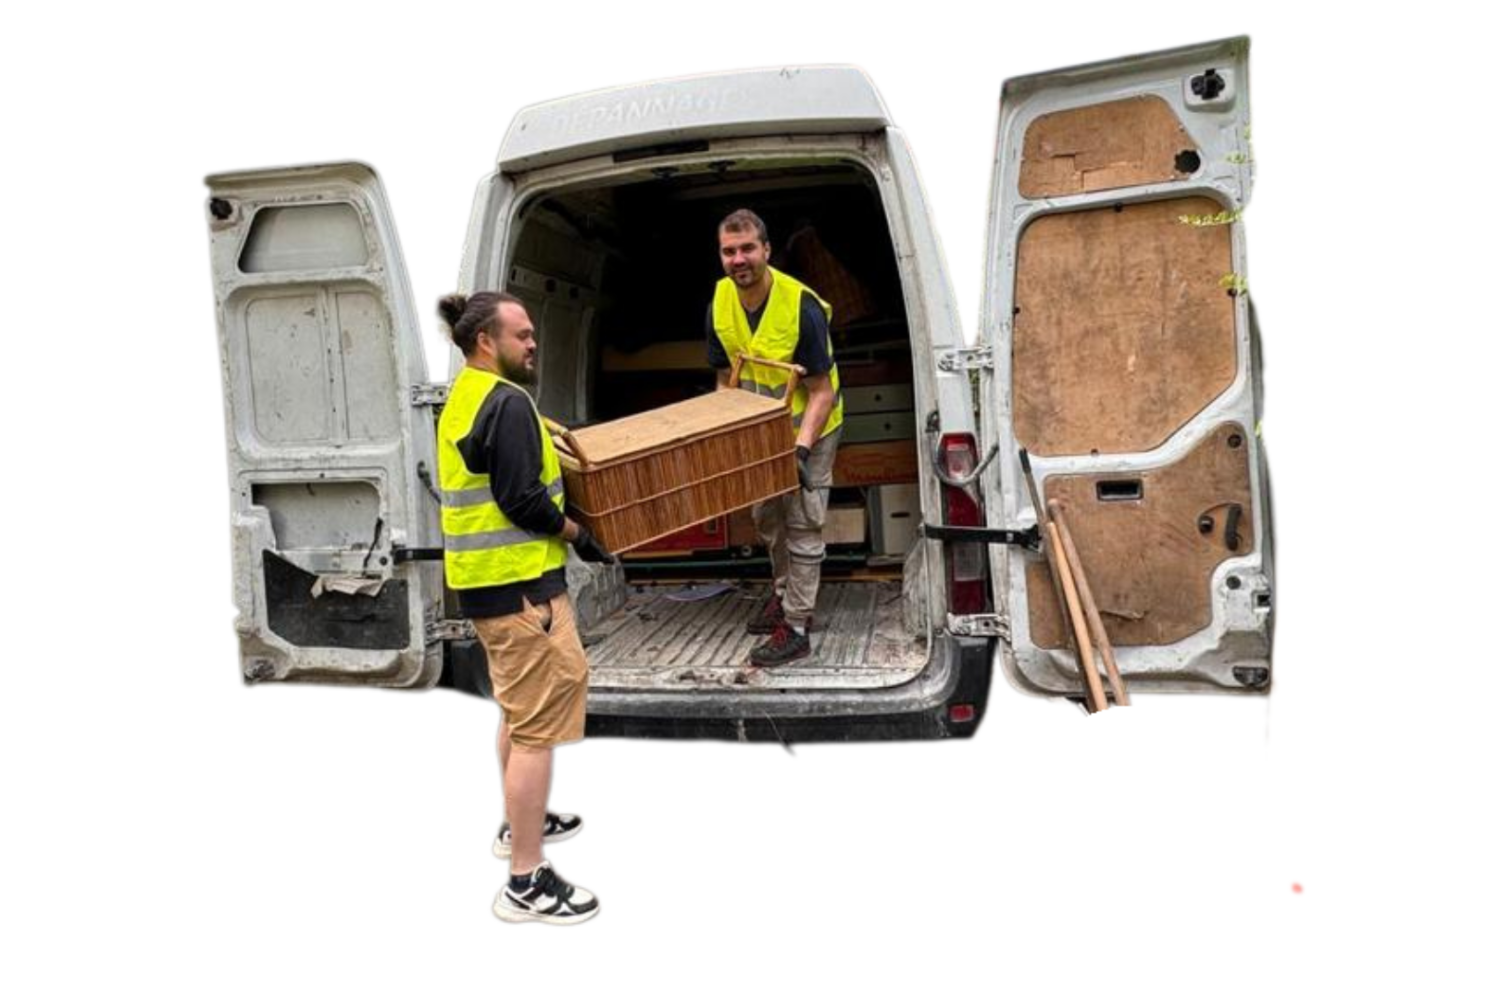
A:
{"x":505,"y":444}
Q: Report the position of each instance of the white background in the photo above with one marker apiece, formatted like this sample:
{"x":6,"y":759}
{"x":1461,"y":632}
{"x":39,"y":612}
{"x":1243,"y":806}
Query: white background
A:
{"x":171,"y":832}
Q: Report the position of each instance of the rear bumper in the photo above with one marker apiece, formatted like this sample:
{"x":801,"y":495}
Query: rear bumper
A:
{"x":958,"y":676}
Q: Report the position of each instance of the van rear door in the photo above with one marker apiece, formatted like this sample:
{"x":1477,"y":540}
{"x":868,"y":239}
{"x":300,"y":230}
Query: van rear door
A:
{"x":329,"y":466}
{"x":1125,"y":361}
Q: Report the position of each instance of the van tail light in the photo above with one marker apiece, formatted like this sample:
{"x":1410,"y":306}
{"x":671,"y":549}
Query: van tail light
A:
{"x":962,"y":508}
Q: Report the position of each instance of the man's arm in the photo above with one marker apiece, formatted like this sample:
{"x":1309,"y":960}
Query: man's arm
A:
{"x":716,"y":356}
{"x":819,"y":406}
{"x":506,"y":443}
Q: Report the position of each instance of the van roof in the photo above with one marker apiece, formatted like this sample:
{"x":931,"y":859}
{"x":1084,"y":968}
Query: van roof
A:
{"x":787,"y":100}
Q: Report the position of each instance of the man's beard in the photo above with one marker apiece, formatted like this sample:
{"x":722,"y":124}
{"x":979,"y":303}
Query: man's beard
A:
{"x":521,"y":374}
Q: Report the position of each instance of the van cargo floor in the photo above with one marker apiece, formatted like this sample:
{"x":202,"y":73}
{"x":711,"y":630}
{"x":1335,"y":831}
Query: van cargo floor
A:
{"x":686,"y":638}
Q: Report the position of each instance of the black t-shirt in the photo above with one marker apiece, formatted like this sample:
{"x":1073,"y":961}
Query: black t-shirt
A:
{"x":505,"y":444}
{"x":812,"y":337}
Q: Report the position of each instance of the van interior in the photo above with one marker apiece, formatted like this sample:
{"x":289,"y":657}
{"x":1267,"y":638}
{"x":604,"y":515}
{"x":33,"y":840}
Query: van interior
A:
{"x":618,"y":276}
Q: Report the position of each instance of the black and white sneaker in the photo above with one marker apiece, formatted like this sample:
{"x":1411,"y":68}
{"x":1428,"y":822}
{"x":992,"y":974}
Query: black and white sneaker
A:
{"x":785,"y":645}
{"x":554,"y":828}
{"x":549,"y":898}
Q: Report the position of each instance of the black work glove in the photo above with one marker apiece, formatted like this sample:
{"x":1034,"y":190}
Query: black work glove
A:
{"x":589,"y":549}
{"x":804,"y":474}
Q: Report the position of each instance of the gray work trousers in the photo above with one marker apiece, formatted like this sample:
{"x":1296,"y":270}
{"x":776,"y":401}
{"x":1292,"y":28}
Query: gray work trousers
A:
{"x":791,"y":526}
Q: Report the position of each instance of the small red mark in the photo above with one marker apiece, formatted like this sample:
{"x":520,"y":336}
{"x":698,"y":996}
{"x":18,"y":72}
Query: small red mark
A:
{"x":1297,"y":887}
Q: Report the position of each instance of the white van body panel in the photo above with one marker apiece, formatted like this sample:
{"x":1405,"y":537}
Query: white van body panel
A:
{"x":320,"y":350}
{"x":794,"y":100}
{"x":1239,"y":634}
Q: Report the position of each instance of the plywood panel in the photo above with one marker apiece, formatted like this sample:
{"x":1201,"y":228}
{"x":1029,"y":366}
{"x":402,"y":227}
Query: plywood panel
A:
{"x":1105,"y":146}
{"x":1147,"y":560}
{"x":1123,"y":330}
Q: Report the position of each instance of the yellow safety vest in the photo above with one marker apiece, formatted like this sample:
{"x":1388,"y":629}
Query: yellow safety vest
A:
{"x":481,"y":547}
{"x":774,"y":339}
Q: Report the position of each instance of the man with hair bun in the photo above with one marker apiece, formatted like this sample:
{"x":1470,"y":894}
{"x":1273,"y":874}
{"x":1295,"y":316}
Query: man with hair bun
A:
{"x":505,"y":546}
{"x":760,"y":312}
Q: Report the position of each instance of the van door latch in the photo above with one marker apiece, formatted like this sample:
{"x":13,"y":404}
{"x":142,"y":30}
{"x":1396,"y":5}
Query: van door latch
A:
{"x":965,"y":359}
{"x":1026,"y":538}
{"x":985,"y":624}
{"x":429,"y":394}
{"x":447,"y":629}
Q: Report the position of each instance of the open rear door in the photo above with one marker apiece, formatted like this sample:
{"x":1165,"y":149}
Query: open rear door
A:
{"x":320,"y":353}
{"x":1125,"y":362}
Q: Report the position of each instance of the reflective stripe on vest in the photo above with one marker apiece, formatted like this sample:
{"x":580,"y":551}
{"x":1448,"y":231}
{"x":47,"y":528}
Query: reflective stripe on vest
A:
{"x":481,"y":546}
{"x":774,"y":339}
{"x":479,"y":494}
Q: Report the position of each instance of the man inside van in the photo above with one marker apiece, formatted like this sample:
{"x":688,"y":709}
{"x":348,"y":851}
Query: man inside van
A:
{"x":760,"y":312}
{"x":505,"y":546}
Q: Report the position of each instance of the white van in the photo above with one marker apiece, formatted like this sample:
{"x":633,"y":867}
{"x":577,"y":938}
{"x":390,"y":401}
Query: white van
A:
{"x":1116,"y":343}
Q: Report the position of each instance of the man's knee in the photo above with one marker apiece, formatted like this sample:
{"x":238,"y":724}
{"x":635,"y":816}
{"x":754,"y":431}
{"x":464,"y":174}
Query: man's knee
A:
{"x":805,"y":546}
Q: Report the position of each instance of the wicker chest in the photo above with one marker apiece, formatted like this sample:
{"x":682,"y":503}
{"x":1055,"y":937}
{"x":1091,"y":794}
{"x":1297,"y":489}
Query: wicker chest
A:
{"x":638,"y":478}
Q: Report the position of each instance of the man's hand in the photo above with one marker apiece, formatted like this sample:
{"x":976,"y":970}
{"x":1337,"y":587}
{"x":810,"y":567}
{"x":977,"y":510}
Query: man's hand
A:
{"x":804,"y":474}
{"x":589,"y":549}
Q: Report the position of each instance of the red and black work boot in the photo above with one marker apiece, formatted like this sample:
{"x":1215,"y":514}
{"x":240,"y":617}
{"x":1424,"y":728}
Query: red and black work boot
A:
{"x":771,"y":615}
{"x":785,"y":645}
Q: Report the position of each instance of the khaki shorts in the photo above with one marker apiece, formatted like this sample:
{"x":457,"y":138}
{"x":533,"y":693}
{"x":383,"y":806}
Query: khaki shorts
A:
{"x":539,"y":675}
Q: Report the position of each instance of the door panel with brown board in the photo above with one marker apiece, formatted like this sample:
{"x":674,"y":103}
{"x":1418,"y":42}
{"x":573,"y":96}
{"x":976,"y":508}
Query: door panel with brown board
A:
{"x":1150,"y":542}
{"x":1124,"y":362}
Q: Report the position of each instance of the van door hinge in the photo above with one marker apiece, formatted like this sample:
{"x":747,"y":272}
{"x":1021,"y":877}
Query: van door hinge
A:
{"x":429,"y":394}
{"x":982,"y":625}
{"x":446,"y":629}
{"x":965,"y":359}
